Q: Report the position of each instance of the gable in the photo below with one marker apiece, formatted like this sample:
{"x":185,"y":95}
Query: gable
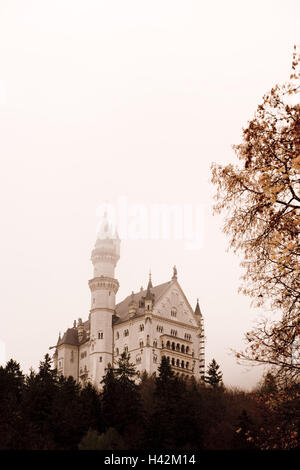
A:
{"x":173,"y":305}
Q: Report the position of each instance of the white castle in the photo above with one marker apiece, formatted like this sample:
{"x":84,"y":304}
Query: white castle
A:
{"x":149,"y":324}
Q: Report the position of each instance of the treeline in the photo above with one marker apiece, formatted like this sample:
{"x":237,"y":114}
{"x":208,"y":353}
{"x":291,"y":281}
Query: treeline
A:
{"x":45,"y":411}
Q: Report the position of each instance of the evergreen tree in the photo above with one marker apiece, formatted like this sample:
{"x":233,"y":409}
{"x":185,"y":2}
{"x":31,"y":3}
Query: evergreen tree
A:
{"x":110,"y":397}
{"x":165,"y":375}
{"x":214,"y":375}
{"x":172,"y":423}
{"x":129,"y":400}
{"x":91,"y":414}
{"x":39,"y":393}
{"x":65,"y":422}
{"x":121,"y":401}
{"x":11,"y":389}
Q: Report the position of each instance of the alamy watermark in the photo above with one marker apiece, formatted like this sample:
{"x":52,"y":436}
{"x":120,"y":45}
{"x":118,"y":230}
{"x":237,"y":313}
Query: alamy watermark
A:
{"x":135,"y":221}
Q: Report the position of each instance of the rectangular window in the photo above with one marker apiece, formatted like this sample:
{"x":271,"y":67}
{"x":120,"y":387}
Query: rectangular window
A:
{"x":100,"y":359}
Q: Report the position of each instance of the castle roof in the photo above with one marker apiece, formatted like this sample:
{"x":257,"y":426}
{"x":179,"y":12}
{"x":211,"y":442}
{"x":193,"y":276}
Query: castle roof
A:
{"x":122,"y":308}
{"x":70,"y":337}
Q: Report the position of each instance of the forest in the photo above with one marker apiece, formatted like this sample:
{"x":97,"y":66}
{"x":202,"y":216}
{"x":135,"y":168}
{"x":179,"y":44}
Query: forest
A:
{"x":46,"y":411}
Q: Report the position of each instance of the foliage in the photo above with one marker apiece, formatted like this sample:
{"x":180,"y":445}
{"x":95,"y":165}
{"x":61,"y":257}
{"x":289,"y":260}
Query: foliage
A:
{"x":44,"y":411}
{"x":261,"y":200}
{"x":280,"y":426}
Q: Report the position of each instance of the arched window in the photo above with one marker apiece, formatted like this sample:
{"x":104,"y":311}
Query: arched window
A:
{"x":126,"y":349}
{"x":187,"y":349}
{"x":182,"y":348}
{"x":173,"y":361}
{"x":182,"y":364}
{"x":142,"y":327}
{"x":168,"y":344}
{"x":187,"y":365}
{"x":100,"y":335}
{"x":173,"y":346}
{"x":141,"y":343}
{"x":177,"y":362}
{"x":155,"y":344}
{"x":177,"y":347}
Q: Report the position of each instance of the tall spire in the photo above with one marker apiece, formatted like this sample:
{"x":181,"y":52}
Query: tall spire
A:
{"x":150,"y":280}
{"x":197,"y":309}
{"x":149,"y":287}
{"x":174,"y":272}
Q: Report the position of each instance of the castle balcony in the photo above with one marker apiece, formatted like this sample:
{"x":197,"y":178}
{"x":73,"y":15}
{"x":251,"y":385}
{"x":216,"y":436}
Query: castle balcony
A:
{"x":176,"y":345}
{"x":179,"y":365}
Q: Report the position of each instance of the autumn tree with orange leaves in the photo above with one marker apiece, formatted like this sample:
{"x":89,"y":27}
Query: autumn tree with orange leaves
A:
{"x":260,"y":197}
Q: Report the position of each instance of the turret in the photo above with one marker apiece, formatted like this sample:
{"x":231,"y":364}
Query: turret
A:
{"x":132,"y":307}
{"x":104,"y":287}
{"x":149,"y":298}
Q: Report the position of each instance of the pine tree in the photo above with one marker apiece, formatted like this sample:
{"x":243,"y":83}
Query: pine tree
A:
{"x":121,"y":401}
{"x":91,"y":415}
{"x":172,"y":422}
{"x":214,"y":376}
{"x":40,"y":392}
{"x":11,"y":389}
{"x":110,"y":397}
{"x":129,"y":400}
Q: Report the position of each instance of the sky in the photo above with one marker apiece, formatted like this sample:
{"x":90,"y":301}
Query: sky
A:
{"x":101,"y":100}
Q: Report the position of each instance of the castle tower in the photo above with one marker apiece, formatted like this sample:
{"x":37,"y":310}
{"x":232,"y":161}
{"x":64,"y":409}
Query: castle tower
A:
{"x":103,"y":288}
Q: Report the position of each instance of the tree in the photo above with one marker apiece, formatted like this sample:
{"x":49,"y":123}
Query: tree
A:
{"x":39,"y":393}
{"x":261,"y":199}
{"x":214,"y":376}
{"x":173,"y":422}
{"x":121,"y":399}
{"x":11,"y":388}
{"x":110,"y":397}
{"x":129,"y":407}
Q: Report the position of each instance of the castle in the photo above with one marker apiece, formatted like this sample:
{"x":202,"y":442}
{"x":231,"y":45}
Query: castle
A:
{"x":149,"y":324}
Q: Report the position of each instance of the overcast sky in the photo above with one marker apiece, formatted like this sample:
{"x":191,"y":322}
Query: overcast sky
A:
{"x":104,"y":99}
